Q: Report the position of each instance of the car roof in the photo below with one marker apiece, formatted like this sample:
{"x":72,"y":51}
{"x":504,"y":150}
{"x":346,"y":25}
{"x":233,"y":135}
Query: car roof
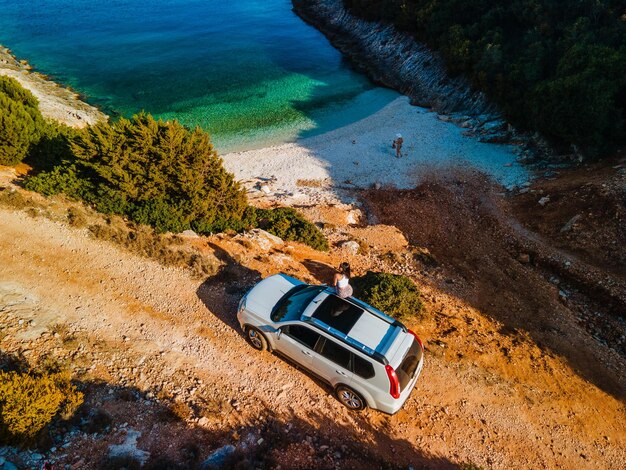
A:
{"x":359,"y":324}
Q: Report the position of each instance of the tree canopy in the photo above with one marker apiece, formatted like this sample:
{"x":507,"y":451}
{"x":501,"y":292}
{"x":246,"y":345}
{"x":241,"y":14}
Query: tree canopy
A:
{"x":558,"y":67}
{"x":21,"y":123}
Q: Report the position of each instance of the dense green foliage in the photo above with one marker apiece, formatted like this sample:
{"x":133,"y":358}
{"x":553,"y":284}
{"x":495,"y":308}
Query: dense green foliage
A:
{"x":393,"y":294}
{"x":558,"y":67}
{"x":155,"y":173}
{"x":21,"y":123}
{"x":29,"y":402}
{"x":288,"y":224}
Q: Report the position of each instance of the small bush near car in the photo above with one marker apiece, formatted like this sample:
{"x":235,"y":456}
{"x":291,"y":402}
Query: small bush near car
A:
{"x":393,"y":294}
{"x":288,"y":224}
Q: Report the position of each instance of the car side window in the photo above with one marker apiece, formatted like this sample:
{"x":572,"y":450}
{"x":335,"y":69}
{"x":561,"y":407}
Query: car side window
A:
{"x":362,"y":367}
{"x":338,"y":354}
{"x":302,"y":334}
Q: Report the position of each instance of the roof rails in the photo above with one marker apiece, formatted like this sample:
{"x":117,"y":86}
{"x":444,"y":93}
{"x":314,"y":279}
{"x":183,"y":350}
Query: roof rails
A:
{"x":347,"y":339}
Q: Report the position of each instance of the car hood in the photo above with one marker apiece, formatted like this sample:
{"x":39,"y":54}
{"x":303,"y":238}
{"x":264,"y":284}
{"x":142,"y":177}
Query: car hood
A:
{"x":263,"y":297}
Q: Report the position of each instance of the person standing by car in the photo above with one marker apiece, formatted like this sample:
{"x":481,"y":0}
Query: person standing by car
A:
{"x":341,"y":281}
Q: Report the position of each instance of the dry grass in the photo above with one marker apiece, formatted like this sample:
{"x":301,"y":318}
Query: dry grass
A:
{"x":169,"y":250}
{"x":14,"y":199}
{"x":310,"y":183}
{"x":76,"y":217}
{"x":166,"y":249}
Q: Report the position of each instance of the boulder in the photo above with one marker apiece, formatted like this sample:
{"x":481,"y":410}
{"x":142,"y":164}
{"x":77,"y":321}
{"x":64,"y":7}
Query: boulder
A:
{"x":544,"y":200}
{"x":218,"y":458}
{"x":129,"y":450}
{"x":6,"y":465}
{"x":350,"y":246}
{"x":570,"y":223}
{"x":265,"y":240}
{"x":189,"y":234}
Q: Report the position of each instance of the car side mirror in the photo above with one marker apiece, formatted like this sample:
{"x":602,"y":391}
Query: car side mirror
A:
{"x":278,"y":333}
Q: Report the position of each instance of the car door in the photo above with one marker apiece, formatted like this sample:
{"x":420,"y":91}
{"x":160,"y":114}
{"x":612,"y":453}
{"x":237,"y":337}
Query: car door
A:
{"x":332,"y":361}
{"x":297,"y":342}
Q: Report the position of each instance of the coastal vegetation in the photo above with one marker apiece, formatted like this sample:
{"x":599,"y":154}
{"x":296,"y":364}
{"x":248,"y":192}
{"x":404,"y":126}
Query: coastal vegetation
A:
{"x":152,"y":172}
{"x":554,"y":67}
{"x":394,"y":294}
{"x":21,"y":123}
{"x":288,"y":224}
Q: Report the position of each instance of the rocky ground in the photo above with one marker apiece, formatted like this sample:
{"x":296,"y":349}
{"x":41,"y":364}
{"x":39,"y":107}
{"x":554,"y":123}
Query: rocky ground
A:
{"x":524,"y":332}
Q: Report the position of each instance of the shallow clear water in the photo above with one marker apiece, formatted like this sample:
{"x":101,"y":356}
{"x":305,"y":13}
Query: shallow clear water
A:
{"x":248,"y":71}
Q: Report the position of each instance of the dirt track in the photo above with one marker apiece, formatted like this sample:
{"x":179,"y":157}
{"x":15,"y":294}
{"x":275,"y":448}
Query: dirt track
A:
{"x":511,"y":380}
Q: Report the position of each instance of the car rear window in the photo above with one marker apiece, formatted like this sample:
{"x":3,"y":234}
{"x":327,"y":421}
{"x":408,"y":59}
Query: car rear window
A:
{"x":407,"y":369}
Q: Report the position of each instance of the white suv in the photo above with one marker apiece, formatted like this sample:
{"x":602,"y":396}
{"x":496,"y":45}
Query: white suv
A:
{"x":368,"y":358}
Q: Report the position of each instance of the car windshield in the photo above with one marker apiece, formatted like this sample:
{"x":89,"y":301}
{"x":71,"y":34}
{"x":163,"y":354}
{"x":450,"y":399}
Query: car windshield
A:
{"x":291,"y":306}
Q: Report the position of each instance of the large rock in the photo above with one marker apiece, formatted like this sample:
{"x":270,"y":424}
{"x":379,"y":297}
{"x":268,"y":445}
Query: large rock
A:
{"x":129,"y":450}
{"x":350,"y":246}
{"x":218,"y":458}
{"x":265,"y":240}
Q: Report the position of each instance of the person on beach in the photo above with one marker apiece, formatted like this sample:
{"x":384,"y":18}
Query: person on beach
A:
{"x":397,"y":144}
{"x":341,"y":281}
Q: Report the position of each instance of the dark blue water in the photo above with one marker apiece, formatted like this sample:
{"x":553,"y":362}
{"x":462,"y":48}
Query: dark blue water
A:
{"x":248,"y":71}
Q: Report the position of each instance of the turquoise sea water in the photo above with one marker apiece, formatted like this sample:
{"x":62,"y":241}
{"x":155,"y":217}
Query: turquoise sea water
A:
{"x":248,"y":71}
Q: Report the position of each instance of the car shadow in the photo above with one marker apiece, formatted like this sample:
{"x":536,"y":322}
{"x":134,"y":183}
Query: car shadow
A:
{"x":321,"y":271}
{"x":221,"y":293}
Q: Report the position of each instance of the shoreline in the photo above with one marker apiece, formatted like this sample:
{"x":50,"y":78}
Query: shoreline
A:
{"x":394,"y":59}
{"x":55,"y":101}
{"x":326,"y":168}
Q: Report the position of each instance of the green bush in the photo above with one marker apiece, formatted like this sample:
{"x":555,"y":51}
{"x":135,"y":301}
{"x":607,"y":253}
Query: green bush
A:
{"x":62,"y":179}
{"x":21,"y":123}
{"x":393,"y":294}
{"x":53,"y":148}
{"x":153,"y":172}
{"x":288,"y":224}
{"x":28,"y":403}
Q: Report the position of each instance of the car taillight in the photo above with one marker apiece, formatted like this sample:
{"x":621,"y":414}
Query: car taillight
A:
{"x":394,"y":384}
{"x":418,"y":339}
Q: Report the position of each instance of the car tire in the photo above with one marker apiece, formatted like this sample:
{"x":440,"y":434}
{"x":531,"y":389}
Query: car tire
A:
{"x":349,"y":398}
{"x":256,"y":339}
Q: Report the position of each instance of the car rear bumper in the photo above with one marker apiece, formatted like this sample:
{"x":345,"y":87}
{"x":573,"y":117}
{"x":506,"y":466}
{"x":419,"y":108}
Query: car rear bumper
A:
{"x":392,"y":406}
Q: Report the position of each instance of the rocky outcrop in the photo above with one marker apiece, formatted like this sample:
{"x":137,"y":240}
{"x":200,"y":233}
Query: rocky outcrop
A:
{"x":394,"y":59}
{"x":55,"y":102}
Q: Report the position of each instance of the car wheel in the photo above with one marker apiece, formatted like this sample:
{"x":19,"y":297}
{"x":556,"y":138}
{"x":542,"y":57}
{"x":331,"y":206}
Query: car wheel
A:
{"x":350,"y":398}
{"x":256,"y":338}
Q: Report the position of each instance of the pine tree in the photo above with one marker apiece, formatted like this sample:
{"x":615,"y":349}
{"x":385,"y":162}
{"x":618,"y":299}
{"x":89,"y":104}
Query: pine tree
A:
{"x":21,"y":123}
{"x":159,"y":173}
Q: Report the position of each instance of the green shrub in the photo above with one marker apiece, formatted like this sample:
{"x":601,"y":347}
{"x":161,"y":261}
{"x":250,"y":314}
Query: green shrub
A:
{"x":53,"y":148}
{"x":28,"y":403}
{"x":158,"y":173}
{"x":21,"y":123}
{"x":153,"y":172}
{"x":288,"y":224}
{"x":62,"y":179}
{"x":393,"y":294}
